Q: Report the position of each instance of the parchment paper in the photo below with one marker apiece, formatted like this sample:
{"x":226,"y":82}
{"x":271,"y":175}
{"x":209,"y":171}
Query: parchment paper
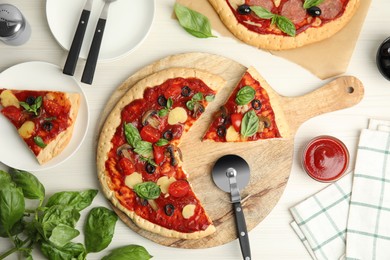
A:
{"x":325,"y":59}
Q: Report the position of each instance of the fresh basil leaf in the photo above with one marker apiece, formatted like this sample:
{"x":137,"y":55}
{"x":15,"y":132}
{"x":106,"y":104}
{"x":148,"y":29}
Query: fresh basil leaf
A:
{"x":285,"y":25}
{"x":38,"y":141}
{"x":5,"y":179}
{"x":249,"y":124}
{"x":76,"y":199}
{"x":12,"y":207}
{"x":209,"y":98}
{"x":17,"y":228}
{"x":32,"y":188}
{"x":190,"y":105}
{"x":197,"y":97}
{"x":99,"y":229}
{"x":169,"y":103}
{"x":193,"y":22}
{"x":62,"y":235}
{"x":132,"y":134}
{"x":147,"y":190}
{"x":70,"y":251}
{"x":130,"y":252}
{"x":163,"y":112}
{"x":262,"y":12}
{"x":310,"y":3}
{"x":59,"y":214}
{"x":34,"y":107}
{"x":162,"y":142}
{"x":245,"y":95}
{"x":144,"y":149}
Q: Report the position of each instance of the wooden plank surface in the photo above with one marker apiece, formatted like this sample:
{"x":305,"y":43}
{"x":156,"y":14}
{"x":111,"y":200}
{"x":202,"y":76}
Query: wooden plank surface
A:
{"x":270,"y":160}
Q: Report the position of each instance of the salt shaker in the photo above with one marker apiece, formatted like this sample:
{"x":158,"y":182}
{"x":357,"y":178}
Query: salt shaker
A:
{"x":14,"y":28}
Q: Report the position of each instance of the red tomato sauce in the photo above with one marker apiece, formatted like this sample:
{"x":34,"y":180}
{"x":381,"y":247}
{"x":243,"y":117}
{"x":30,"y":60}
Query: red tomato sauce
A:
{"x":325,"y":158}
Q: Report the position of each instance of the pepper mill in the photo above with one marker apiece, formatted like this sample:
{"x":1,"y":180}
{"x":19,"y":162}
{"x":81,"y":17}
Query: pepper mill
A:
{"x":14,"y":28}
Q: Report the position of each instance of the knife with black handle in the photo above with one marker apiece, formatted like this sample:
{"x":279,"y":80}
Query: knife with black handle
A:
{"x":74,"y":52}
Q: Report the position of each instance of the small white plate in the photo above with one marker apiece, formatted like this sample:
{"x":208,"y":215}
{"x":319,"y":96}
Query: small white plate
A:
{"x":128,"y":24}
{"x":38,"y":76}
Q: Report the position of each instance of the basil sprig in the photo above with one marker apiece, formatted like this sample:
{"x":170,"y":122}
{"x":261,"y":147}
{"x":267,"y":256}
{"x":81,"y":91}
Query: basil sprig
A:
{"x":162,"y":142}
{"x":143,"y":148}
{"x":282,"y":22}
{"x":310,"y":3}
{"x":147,"y":190}
{"x":39,"y":141}
{"x":34,"y":107}
{"x":193,"y":22}
{"x":164,"y":111}
{"x":249,"y":124}
{"x":245,"y":95}
{"x":195,"y":99}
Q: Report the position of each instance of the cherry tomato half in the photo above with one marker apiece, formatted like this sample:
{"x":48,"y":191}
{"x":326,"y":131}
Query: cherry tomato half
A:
{"x":236,"y":119}
{"x":150,"y":134}
{"x":126,"y":166}
{"x":158,"y":153}
{"x":179,"y":188}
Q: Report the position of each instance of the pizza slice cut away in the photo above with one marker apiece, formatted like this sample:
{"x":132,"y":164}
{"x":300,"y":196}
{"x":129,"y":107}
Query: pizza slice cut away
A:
{"x":43,"y":119}
{"x":251,"y":113}
{"x":139,"y":159}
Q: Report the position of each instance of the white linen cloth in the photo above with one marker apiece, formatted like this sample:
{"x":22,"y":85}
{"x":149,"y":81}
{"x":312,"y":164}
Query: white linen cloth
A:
{"x":350,"y":219}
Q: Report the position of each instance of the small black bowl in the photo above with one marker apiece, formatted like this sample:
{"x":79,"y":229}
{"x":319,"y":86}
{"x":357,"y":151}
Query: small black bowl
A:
{"x":383,"y":58}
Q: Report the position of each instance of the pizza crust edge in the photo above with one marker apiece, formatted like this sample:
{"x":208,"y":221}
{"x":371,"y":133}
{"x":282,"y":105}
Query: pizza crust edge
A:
{"x":281,"y":42}
{"x":57,"y":145}
{"x":112,"y":122}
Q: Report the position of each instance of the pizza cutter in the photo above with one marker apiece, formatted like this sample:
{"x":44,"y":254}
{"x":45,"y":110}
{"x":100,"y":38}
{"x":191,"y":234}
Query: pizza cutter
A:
{"x":231,"y":173}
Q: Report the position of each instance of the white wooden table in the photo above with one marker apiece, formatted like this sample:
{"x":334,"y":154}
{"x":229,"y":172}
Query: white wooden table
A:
{"x":272,"y":238}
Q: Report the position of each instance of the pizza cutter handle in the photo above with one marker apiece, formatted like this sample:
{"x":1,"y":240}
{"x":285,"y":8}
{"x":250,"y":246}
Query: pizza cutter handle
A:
{"x":340,"y":93}
{"x":242,"y":231}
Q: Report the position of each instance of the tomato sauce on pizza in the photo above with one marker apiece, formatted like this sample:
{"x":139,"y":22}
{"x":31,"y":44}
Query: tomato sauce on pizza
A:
{"x":144,"y":163}
{"x":294,"y":10}
{"x":246,"y":116}
{"x":39,"y":116}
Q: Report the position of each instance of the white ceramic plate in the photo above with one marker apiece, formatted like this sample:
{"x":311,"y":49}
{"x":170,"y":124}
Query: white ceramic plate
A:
{"x":128,"y":24}
{"x":38,"y":76}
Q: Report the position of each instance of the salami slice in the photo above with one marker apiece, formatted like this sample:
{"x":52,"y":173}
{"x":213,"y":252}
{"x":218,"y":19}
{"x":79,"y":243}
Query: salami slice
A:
{"x":330,"y":8}
{"x":293,"y":10}
{"x":267,"y":4}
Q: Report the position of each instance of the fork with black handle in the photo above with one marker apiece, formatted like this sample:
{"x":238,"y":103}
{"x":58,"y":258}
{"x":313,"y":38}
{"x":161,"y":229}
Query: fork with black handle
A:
{"x":89,"y":69}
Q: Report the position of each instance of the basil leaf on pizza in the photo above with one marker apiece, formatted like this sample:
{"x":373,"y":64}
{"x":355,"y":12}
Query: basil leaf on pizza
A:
{"x":250,"y":124}
{"x":193,"y":22}
{"x":282,"y":22}
{"x":209,"y":98}
{"x":310,"y":3}
{"x":144,"y":149}
{"x":245,"y":95}
{"x":132,"y":134}
{"x":39,"y":141}
{"x":147,"y":190}
{"x":33,"y":108}
{"x":162,"y":142}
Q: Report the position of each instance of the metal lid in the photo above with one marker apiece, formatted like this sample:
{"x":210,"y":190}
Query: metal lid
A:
{"x":11,"y":21}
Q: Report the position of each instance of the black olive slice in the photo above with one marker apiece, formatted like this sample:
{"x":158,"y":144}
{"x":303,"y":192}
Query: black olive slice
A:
{"x":314,"y":11}
{"x":30,"y":100}
{"x":162,"y":101}
{"x":169,"y":209}
{"x":256,"y":104}
{"x":185,"y":91}
{"x":150,"y":168}
{"x":168,"y":135}
{"x":47,"y":126}
{"x":221,"y":131}
{"x":244,"y":9}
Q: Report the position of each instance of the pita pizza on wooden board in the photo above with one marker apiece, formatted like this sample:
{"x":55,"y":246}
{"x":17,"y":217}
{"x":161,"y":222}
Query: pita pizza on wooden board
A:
{"x":312,"y":56}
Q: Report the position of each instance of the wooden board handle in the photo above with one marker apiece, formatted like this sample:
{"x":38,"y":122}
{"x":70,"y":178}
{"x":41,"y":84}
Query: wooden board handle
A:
{"x":340,"y":93}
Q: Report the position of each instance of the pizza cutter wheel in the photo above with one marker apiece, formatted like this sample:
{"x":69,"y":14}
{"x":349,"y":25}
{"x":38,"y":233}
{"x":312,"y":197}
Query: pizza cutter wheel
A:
{"x":231,"y":173}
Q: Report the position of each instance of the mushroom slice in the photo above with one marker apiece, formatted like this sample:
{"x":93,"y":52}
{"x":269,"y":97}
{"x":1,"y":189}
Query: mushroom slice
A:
{"x":175,"y":154}
{"x":148,"y":118}
{"x":265,"y":120}
{"x":123,"y":150}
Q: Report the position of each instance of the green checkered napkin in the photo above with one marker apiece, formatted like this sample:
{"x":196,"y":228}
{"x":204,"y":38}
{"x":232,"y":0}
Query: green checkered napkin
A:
{"x":322,"y":221}
{"x":368,"y":232}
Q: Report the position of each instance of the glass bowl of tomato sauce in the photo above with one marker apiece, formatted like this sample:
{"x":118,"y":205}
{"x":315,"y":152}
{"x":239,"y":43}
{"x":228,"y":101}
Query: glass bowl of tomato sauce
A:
{"x":325,"y":158}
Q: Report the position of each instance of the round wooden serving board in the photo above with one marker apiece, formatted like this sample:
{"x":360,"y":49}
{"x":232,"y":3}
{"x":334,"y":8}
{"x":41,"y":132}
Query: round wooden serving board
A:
{"x":270,"y":160}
